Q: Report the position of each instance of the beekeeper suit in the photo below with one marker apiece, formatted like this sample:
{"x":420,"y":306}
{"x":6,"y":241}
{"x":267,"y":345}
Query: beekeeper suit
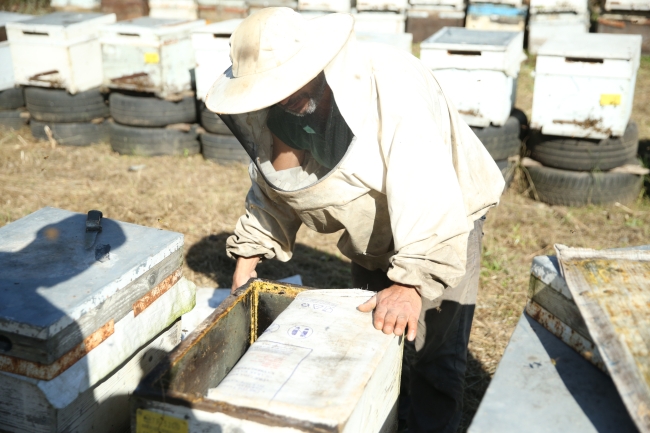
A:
{"x":361,"y":138}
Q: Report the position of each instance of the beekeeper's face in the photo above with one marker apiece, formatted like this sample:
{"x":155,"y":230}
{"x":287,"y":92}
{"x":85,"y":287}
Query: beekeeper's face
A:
{"x":306,"y":99}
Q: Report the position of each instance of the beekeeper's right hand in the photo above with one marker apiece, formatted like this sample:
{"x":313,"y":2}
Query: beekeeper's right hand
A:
{"x":244,"y":271}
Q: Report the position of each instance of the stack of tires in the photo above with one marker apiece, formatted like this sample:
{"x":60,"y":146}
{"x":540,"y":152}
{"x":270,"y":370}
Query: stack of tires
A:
{"x":73,"y":120}
{"x":576,"y":171}
{"x":219,"y":145}
{"x":504,"y":142}
{"x":146,"y":125}
{"x":12,"y":108}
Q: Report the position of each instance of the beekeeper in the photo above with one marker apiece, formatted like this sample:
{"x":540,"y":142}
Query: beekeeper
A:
{"x":361,"y":138}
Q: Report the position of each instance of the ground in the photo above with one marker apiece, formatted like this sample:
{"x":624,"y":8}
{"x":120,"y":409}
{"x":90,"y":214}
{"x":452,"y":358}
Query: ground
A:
{"x":203,"y":200}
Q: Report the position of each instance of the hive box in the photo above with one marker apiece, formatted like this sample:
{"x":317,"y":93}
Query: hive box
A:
{"x":150,"y":55}
{"x":401,"y":41}
{"x":324,"y":5}
{"x":544,"y":26}
{"x":382,"y":5}
{"x":6,"y":65}
{"x":458,"y":5}
{"x":554,"y":6}
{"x":515,"y":3}
{"x":584,"y":86}
{"x":75,"y":5}
{"x":423,"y":21}
{"x":222,"y":10}
{"x":71,"y":316}
{"x":324,"y":367}
{"x":379,"y":22}
{"x":59,"y":50}
{"x":627,"y":24}
{"x":174,"y":9}
{"x":256,"y":5}
{"x":126,"y":9}
{"x":211,"y":45}
{"x":631,"y":5}
{"x":496,"y":17}
{"x":477,"y":69}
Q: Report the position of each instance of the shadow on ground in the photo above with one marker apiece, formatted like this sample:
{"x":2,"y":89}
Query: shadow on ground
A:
{"x":477,"y":380}
{"x":318,"y":269}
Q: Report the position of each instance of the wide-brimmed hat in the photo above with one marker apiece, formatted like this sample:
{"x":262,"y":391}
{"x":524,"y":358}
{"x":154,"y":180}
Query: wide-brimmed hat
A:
{"x":274,"y":53}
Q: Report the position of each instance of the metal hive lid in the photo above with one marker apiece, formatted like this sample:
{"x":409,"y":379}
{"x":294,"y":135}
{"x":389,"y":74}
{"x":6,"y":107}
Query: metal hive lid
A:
{"x":64,"y":19}
{"x":48,"y":280}
{"x":594,"y":46}
{"x":458,"y":38}
{"x":10,"y":17}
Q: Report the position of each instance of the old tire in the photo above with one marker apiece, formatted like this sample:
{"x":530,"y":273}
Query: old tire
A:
{"x":11,"y":99}
{"x":507,"y":170}
{"x":223,"y":149}
{"x":13,"y":119}
{"x":211,"y":122}
{"x":501,"y":141}
{"x":71,"y":134}
{"x":581,"y":154}
{"x":576,"y":188}
{"x":139,"y":110}
{"x":133,"y":140}
{"x":57,"y":105}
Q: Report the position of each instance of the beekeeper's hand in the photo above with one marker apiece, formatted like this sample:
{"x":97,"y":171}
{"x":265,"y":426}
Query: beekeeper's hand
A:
{"x":395,"y":308}
{"x":244,"y":271}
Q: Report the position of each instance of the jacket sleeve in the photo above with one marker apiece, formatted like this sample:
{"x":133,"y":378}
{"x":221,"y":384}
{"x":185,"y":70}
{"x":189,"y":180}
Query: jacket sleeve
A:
{"x":267,"y":229}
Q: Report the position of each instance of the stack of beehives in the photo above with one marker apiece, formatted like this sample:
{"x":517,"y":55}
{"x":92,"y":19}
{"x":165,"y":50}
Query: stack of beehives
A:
{"x":174,"y":9}
{"x":508,"y":15}
{"x":147,"y":64}
{"x":83,"y":319}
{"x":12,"y":101}
{"x":222,"y":10}
{"x":126,"y":9}
{"x":583,"y":144}
{"x":626,"y":17}
{"x":549,"y":18}
{"x":426,"y":17}
{"x":58,"y":58}
{"x":478,"y":69}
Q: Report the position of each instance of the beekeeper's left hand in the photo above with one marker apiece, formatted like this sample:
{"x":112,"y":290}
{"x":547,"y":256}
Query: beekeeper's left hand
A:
{"x":395,"y":308}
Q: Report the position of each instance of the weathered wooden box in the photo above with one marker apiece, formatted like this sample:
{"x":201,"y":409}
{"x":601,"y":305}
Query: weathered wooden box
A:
{"x":399,"y":6}
{"x":6,"y":65}
{"x":424,"y":21}
{"x":545,"y":26}
{"x":501,"y":17}
{"x":174,"y":9}
{"x":72,"y":319}
{"x":584,"y":85}
{"x":211,"y":45}
{"x":627,"y":24}
{"x":630,"y":5}
{"x":379,"y":22}
{"x":478,"y":70}
{"x":175,"y":393}
{"x":58,"y":50}
{"x":342,"y":6}
{"x":222,"y":10}
{"x":555,"y":6}
{"x":150,"y":55}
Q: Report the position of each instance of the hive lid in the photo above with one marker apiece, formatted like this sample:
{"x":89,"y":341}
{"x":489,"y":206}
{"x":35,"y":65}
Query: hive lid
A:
{"x":63,"y":19}
{"x":594,"y":46}
{"x":489,"y":9}
{"x":48,"y":280}
{"x":476,"y":40}
{"x":10,"y":17}
{"x":154,"y":26}
{"x":226,"y":27}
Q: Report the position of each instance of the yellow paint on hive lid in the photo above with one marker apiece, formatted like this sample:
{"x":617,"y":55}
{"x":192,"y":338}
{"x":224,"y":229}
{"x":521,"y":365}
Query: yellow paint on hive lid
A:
{"x":610,"y":99}
{"x":151,"y":422}
{"x":151,"y":57}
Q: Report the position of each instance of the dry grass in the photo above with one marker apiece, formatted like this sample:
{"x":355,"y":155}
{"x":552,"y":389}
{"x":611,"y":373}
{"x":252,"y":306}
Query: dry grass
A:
{"x":203,"y":200}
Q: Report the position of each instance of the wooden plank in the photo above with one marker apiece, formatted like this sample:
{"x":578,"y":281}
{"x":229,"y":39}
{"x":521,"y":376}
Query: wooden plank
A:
{"x":612,"y":291}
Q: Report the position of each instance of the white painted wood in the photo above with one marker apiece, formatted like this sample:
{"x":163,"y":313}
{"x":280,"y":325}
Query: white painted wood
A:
{"x":158,"y":52}
{"x":584,"y":86}
{"x":637,"y":5}
{"x":457,"y":5}
{"x":6,"y":65}
{"x":27,"y":407}
{"x":76,"y":4}
{"x":500,"y":17}
{"x":401,"y":41}
{"x":382,"y":5}
{"x":478,"y":70}
{"x":379,"y":22}
{"x":62,"y":46}
{"x":320,"y":362}
{"x":542,"y":27}
{"x":343,"y":6}
{"x":555,"y":6}
{"x":211,"y":46}
{"x":515,"y":3}
{"x":174,"y":9}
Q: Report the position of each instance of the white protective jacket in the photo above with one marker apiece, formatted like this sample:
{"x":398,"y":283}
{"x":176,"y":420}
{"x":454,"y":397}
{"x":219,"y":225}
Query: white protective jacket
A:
{"x":406,"y":193}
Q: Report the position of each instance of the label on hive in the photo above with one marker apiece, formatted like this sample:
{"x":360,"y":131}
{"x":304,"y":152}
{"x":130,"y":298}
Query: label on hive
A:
{"x":151,"y":58}
{"x":152,"y":422}
{"x":610,"y":99}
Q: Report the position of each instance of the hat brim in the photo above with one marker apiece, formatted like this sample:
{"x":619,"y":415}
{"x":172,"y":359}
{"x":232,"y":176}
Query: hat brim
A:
{"x":235,"y":95}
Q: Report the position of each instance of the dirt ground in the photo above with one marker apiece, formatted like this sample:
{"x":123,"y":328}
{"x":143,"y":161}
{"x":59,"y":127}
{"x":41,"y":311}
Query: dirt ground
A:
{"x":203,"y":200}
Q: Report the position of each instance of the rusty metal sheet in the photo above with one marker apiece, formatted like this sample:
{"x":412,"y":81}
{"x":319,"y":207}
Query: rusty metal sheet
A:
{"x":141,"y":304}
{"x":40,"y":371}
{"x":612,"y":292}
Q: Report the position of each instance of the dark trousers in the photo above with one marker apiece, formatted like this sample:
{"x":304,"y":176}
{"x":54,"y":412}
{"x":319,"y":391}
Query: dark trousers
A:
{"x":433,"y":367}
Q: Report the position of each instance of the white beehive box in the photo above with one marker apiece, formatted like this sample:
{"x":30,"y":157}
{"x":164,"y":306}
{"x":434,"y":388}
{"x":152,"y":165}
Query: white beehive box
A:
{"x":424,"y":20}
{"x":382,"y":5}
{"x":77,"y":5}
{"x":496,"y":17}
{"x":211,"y":45}
{"x":632,"y":5}
{"x":174,"y":9}
{"x":584,"y":85}
{"x":402,"y":41}
{"x":379,"y":22}
{"x":515,"y":3}
{"x":325,"y":5}
{"x":319,"y":366}
{"x":150,"y":55}
{"x":222,"y":10}
{"x":458,"y":5}
{"x":554,"y":6}
{"x":59,"y":50}
{"x":542,"y":27}
{"x":6,"y":65}
{"x":477,"y":69}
